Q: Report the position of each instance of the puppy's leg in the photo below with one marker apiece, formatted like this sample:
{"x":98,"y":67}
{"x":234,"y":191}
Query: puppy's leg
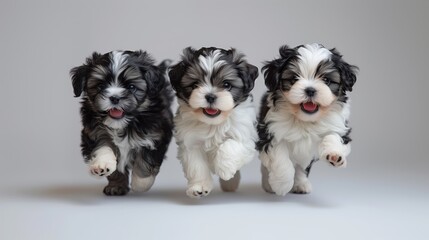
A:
{"x":265,"y":184}
{"x":143,"y":176}
{"x":301,"y":183}
{"x":197,"y":172}
{"x":230,"y":157}
{"x":118,"y":184}
{"x":334,"y":150}
{"x":232,"y":184}
{"x":141,"y":184}
{"x":281,"y":170}
{"x":147,"y":163}
{"x":103,"y":162}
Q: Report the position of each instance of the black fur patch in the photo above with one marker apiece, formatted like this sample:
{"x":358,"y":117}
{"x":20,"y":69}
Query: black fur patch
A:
{"x":147,"y":107}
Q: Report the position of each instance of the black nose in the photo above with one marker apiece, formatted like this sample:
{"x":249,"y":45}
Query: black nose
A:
{"x":114,"y":99}
{"x":210,"y":98}
{"x":310,"y":91}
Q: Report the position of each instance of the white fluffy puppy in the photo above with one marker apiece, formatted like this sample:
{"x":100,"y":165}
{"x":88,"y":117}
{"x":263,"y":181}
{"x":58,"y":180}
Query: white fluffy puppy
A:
{"x":303,"y":115}
{"x":215,"y":122}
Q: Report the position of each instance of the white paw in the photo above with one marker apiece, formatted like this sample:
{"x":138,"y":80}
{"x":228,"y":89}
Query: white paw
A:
{"x":280,"y":186}
{"x":104,"y":162}
{"x":198,"y":190}
{"x":302,"y":187}
{"x":336,"y":159}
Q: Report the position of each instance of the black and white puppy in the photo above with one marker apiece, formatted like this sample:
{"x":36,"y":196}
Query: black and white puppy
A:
{"x":215,"y":122}
{"x":303,"y":116}
{"x":126,"y":117}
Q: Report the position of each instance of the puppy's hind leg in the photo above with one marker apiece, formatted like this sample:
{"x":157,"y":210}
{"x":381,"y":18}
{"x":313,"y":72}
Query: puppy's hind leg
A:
{"x":230,"y":185}
{"x":265,"y":184}
{"x":144,"y":172}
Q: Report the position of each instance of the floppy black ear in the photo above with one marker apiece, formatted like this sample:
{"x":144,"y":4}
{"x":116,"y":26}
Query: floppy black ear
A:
{"x":272,"y":69}
{"x":79,"y":75}
{"x":271,"y":74}
{"x":176,"y":73}
{"x":164,"y":65}
{"x":155,"y":80}
{"x":249,"y":77}
{"x":347,"y":71}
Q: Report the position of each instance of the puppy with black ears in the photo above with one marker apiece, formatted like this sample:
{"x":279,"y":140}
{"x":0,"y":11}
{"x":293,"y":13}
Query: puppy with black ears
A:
{"x":303,"y":116}
{"x":126,"y":117}
{"x":215,"y":124}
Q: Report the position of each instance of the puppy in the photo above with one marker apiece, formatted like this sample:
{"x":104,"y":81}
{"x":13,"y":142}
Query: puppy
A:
{"x":126,"y":117}
{"x":215,"y":124}
{"x":303,"y":116}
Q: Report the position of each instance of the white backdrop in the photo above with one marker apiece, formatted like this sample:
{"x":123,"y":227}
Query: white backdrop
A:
{"x":46,"y":192}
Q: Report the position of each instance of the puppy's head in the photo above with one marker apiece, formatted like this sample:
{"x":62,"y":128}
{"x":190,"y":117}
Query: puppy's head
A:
{"x":212,"y":81}
{"x":117,"y":85}
{"x":311,"y":78}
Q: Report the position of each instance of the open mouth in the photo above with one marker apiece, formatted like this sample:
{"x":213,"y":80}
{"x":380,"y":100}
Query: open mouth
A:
{"x":309,"y":107}
{"x":116,"y":113}
{"x":211,"y":112}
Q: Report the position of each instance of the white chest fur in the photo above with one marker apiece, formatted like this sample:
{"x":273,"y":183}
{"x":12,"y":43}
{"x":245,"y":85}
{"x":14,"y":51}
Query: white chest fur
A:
{"x":240,"y":126}
{"x":128,"y":144}
{"x":303,"y":138}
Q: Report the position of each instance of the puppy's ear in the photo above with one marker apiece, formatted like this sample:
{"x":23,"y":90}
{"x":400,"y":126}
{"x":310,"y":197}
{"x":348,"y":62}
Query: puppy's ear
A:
{"x":164,"y":65}
{"x":347,"y":71}
{"x":79,"y":75}
{"x":155,"y":80}
{"x":152,"y":74}
{"x":249,"y":77}
{"x":175,"y":74}
{"x":188,"y":55}
{"x":272,"y":69}
{"x":247,"y":72}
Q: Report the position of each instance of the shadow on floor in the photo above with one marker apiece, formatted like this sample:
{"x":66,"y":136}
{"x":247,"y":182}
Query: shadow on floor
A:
{"x":247,"y":193}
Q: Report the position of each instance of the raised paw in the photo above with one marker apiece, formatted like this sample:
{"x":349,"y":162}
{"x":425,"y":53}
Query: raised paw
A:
{"x":335,"y":159}
{"x":198,"y":190}
{"x":102,"y":167}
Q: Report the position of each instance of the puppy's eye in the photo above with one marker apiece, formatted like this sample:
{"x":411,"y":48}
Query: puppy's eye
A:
{"x":132,"y":88}
{"x":195,"y":85}
{"x":291,"y":81}
{"x":100,"y":87}
{"x":227,"y":85}
{"x":327,"y":80}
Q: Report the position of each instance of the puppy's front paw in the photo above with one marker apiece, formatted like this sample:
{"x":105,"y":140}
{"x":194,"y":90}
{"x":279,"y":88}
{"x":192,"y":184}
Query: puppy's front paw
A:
{"x":103,"y":166}
{"x":198,"y":190}
{"x":335,"y":159}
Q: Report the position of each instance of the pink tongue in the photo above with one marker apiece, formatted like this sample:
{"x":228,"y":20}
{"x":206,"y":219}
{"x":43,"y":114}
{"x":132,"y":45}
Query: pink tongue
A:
{"x":310,"y":106}
{"x":116,"y":113}
{"x":211,"y":111}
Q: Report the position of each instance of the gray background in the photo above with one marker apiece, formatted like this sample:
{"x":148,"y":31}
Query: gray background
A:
{"x":46,"y":192}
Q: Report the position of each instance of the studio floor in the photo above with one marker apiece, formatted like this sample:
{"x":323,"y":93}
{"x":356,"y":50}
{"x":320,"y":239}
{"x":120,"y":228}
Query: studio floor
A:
{"x":343,"y":205}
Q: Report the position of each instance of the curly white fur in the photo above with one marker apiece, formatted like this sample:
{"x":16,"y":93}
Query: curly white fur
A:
{"x":296,"y":143}
{"x":221,"y":149}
